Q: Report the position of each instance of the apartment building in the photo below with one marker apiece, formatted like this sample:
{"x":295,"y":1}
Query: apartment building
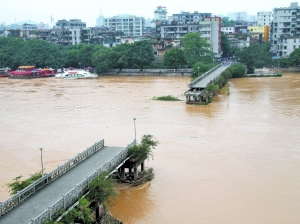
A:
{"x":285,"y":29}
{"x":228,"y":29}
{"x":264,"y":18}
{"x":210,"y":29}
{"x":130,"y":25}
{"x":187,"y":17}
{"x":71,"y":24}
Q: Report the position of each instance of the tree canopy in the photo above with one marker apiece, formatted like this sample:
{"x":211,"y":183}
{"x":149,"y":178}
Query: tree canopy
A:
{"x":227,"y":22}
{"x":140,"y":54}
{"x":257,"y":55}
{"x":294,"y":58}
{"x":228,"y":51}
{"x":195,"y":48}
{"x":174,"y":58}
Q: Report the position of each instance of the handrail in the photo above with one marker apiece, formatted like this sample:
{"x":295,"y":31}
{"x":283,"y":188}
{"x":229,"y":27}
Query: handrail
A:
{"x":203,"y":75}
{"x":22,"y":195}
{"x":73,"y":195}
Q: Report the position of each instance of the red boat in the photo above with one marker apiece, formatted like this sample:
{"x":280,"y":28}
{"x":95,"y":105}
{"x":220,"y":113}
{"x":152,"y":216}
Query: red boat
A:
{"x":29,"y":72}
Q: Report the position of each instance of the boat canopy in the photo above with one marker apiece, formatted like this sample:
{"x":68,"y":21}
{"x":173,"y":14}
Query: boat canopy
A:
{"x":30,"y":66}
{"x":20,"y":72}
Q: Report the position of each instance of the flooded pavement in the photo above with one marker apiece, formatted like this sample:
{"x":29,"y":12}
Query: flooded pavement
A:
{"x":233,"y":161}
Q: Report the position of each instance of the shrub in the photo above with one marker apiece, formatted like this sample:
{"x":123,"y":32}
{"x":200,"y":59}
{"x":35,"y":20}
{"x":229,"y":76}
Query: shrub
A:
{"x":144,"y":149}
{"x":18,"y":184}
{"x":166,"y":98}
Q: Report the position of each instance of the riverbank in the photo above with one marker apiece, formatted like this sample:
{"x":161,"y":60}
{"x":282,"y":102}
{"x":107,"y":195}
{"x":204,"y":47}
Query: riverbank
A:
{"x":170,"y":74}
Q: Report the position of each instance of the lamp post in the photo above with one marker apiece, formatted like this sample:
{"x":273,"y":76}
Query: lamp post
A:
{"x":41,"y":148}
{"x":198,"y":71}
{"x":134,"y":129}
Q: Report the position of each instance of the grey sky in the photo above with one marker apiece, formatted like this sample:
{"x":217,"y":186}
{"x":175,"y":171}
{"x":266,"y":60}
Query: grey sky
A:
{"x":88,"y":10}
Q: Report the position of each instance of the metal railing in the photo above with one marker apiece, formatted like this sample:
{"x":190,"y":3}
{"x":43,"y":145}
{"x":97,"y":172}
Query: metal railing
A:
{"x":22,"y":195}
{"x":73,"y":195}
{"x":203,"y":76}
{"x":149,"y":70}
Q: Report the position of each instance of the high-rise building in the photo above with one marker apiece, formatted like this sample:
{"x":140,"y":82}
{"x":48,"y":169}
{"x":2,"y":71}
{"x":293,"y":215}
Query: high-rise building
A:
{"x":285,"y":30}
{"x":130,"y":25}
{"x":100,"y":20}
{"x":160,"y":14}
{"x":264,"y":18}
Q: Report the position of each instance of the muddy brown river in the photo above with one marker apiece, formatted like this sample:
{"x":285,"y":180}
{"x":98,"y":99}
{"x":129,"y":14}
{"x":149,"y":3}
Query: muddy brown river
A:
{"x":236,"y":160}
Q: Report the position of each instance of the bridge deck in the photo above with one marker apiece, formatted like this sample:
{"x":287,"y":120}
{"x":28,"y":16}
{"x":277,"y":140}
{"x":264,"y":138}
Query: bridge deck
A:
{"x":203,"y":83}
{"x":39,"y":202}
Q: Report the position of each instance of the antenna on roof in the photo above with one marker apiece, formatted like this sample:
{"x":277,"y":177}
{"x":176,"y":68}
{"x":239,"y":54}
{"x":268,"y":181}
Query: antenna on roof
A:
{"x":100,"y":12}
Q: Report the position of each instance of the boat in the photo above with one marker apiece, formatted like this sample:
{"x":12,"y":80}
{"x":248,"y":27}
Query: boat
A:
{"x":76,"y":74}
{"x":4,"y":72}
{"x":30,"y":72}
{"x":25,"y":72}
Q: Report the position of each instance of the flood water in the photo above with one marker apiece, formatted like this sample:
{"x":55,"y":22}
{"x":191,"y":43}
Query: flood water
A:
{"x":236,"y":160}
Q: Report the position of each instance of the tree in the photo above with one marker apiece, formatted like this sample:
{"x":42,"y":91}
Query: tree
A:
{"x":195,"y":48}
{"x":257,"y":55}
{"x":40,"y":54}
{"x":141,"y":53}
{"x":174,"y":58}
{"x":19,"y":184}
{"x":227,"y":22}
{"x":144,"y":149}
{"x":85,"y":53}
{"x":102,"y":59}
{"x":102,"y":190}
{"x":9,"y":50}
{"x":120,"y":56}
{"x":71,"y":56}
{"x":203,"y":67}
{"x":294,"y":59}
{"x":225,"y":46}
{"x":237,"y":70}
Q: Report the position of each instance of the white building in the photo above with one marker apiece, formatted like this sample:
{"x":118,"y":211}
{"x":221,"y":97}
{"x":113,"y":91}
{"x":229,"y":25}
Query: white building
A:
{"x":128,"y":24}
{"x":187,"y":17}
{"x":27,"y":26}
{"x":100,"y":20}
{"x":228,"y":29}
{"x":74,"y":36}
{"x":210,"y":29}
{"x":71,"y":24}
{"x":160,"y":14}
{"x":264,"y":18}
{"x":285,"y":29}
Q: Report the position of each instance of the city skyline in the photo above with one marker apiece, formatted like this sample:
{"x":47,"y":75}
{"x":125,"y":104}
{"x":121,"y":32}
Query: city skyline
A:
{"x":16,"y":11}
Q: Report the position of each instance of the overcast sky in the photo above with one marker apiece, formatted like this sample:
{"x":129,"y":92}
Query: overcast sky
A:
{"x":89,"y":10}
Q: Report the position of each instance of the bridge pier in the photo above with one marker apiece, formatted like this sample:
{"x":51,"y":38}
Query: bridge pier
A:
{"x":132,"y":166}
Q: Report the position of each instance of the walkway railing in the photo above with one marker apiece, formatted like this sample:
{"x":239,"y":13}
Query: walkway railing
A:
{"x":150,"y":70}
{"x":73,"y":195}
{"x":203,"y":76}
{"x":22,"y":195}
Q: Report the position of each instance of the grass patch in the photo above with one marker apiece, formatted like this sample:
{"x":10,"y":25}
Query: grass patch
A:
{"x":166,"y":98}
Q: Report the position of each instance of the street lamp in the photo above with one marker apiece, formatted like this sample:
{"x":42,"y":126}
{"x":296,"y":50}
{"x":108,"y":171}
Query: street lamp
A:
{"x":41,"y":148}
{"x":134,"y":129}
{"x":198,"y":71}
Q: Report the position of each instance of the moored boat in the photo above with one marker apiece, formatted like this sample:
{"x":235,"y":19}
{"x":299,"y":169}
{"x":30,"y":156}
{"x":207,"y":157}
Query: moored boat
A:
{"x":25,"y":72}
{"x":4,"y":72}
{"x":76,"y":74}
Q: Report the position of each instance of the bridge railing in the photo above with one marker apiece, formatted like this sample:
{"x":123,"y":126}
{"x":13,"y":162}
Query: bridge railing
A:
{"x":73,"y":195}
{"x":203,"y":75}
{"x":22,"y":195}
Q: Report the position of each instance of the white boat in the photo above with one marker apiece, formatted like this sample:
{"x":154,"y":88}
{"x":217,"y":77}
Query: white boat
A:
{"x":76,"y":74}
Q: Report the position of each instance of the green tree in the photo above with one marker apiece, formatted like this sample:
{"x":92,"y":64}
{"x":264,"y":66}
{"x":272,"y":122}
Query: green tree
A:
{"x":203,"y":67}
{"x":141,"y":53}
{"x":227,"y":22}
{"x":102,"y":190}
{"x":120,"y":57}
{"x":71,"y":56}
{"x":10,"y":48}
{"x":294,"y":59}
{"x":257,"y":55}
{"x":144,"y":149}
{"x":174,"y":58}
{"x":228,"y":51}
{"x":102,"y":59}
{"x":237,"y":70}
{"x":195,"y":48}
{"x":85,"y":52}
{"x":18,"y":184}
{"x":41,"y":54}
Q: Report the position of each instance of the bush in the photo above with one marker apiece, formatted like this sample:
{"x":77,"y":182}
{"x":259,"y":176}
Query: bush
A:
{"x":250,"y":70}
{"x":237,"y":70}
{"x":166,"y":98}
{"x":19,"y":185}
{"x":144,"y":149}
